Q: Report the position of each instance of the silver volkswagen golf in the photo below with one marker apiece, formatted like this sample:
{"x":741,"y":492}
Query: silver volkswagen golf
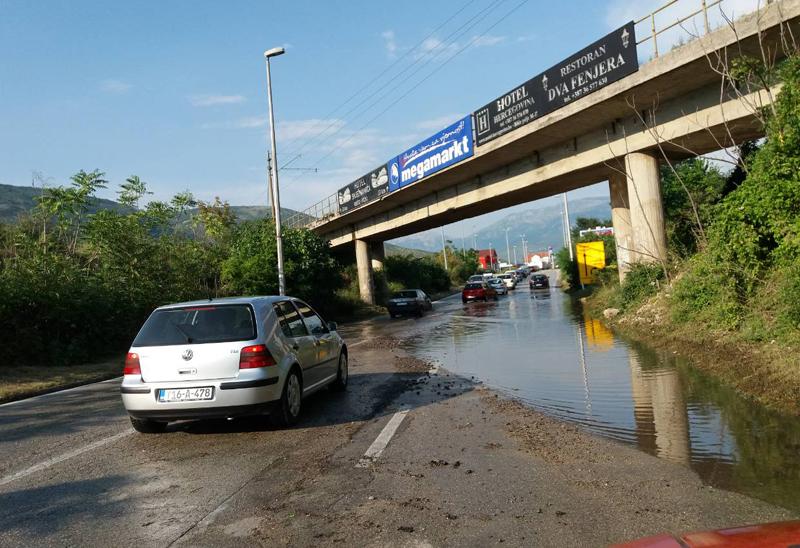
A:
{"x":230,"y":357}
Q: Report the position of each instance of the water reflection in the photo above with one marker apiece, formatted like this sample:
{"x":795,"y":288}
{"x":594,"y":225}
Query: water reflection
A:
{"x":549,"y":354}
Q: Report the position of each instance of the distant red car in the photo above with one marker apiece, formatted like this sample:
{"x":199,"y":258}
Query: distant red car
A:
{"x":781,"y":534}
{"x":477,"y":291}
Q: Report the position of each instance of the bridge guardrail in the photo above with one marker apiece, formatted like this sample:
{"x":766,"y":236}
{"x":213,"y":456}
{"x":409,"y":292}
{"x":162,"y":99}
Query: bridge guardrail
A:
{"x":328,"y":208}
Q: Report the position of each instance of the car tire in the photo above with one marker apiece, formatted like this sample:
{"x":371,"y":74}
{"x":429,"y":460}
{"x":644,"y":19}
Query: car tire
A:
{"x":342,"y":374}
{"x":147,"y":426}
{"x":290,"y":405}
{"x":392,"y":316}
{"x":420,"y":312}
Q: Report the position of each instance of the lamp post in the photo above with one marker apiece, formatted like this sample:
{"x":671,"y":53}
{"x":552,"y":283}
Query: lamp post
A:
{"x":274,"y":193}
{"x":508,"y":249}
{"x":491,"y":259}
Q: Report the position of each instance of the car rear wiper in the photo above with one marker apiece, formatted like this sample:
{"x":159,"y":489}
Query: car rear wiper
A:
{"x":189,"y":339}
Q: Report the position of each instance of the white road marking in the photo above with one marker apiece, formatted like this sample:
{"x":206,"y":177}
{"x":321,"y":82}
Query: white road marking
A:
{"x":356,"y":344}
{"x":374,"y":451}
{"x":61,"y":458}
{"x":40,"y":396}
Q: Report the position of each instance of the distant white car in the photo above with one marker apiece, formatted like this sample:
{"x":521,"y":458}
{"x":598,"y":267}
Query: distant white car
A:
{"x":509,"y":280}
{"x":498,"y":286}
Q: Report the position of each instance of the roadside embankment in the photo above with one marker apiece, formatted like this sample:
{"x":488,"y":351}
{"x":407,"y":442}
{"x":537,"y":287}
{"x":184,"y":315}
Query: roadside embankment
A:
{"x":25,"y":381}
{"x":766,"y":371}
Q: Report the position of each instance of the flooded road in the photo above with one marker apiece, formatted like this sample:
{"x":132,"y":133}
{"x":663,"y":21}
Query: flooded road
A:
{"x":539,"y":348}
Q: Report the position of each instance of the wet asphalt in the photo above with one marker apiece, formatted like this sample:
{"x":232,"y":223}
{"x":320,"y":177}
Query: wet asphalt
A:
{"x":457,"y":471}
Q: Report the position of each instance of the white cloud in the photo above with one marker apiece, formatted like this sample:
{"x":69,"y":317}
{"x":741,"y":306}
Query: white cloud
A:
{"x":114,"y":86}
{"x":433,"y":47}
{"x":292,"y":130}
{"x":212,"y":100}
{"x":389,"y":43}
{"x":621,"y":11}
{"x":437,"y":123}
{"x":526,"y":38}
{"x":486,"y":40}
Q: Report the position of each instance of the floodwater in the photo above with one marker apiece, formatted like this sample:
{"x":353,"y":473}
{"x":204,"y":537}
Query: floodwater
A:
{"x":540,"y":348}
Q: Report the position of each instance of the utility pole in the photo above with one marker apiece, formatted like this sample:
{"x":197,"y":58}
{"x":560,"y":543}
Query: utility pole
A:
{"x":273,"y":173}
{"x":508,"y":250}
{"x":491,"y":259}
{"x":569,"y":234}
{"x":444,"y":249}
{"x":515,"y":255}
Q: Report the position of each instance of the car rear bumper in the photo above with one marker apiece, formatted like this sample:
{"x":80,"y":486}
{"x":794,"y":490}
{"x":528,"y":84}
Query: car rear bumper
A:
{"x":403,"y":309}
{"x":231,"y":397}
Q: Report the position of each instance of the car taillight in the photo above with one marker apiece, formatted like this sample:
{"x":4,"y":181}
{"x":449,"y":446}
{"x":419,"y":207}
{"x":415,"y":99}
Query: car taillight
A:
{"x":132,"y":366}
{"x":252,"y":357}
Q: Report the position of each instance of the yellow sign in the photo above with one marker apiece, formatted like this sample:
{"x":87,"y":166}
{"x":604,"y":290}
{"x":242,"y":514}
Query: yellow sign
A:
{"x":591,"y":256}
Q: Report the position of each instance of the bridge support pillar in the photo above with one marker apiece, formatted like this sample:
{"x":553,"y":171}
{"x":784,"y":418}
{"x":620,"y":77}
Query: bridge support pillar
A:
{"x":621,"y":219}
{"x":364,"y":266}
{"x":647,"y":210}
{"x":378,"y":255}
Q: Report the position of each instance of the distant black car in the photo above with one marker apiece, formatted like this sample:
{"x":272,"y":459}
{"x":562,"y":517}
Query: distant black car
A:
{"x":409,"y":302}
{"x":539,"y":281}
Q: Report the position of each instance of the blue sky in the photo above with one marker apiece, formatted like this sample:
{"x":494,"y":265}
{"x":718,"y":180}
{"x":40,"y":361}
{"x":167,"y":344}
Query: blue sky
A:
{"x":174,"y":91}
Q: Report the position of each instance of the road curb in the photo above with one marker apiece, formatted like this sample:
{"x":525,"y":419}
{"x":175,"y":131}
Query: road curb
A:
{"x":33,"y":394}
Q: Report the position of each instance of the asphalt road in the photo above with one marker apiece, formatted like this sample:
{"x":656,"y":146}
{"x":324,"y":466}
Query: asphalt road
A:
{"x":407,"y":457}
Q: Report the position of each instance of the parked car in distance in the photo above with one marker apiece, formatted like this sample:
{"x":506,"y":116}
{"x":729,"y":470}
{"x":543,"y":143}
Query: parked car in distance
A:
{"x":539,"y":281}
{"x":409,"y":301}
{"x":230,"y":357}
{"x":475,"y":278}
{"x":477,"y":291}
{"x":498,"y":285}
{"x":509,"y":279}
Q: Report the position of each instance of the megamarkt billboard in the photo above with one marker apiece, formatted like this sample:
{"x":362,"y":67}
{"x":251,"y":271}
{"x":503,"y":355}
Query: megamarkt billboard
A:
{"x":450,"y":146}
{"x":607,"y":60}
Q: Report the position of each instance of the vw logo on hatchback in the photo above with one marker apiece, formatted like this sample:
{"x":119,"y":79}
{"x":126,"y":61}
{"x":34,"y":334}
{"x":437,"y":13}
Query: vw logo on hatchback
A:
{"x":187,"y":354}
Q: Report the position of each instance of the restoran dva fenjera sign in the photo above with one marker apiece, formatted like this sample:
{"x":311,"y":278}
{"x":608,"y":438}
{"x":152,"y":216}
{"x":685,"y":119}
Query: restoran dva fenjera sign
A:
{"x":609,"y":59}
{"x":447,"y":147}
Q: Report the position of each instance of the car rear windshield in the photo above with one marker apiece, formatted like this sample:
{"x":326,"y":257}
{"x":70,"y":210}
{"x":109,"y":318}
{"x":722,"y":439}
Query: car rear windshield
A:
{"x":405,"y":295}
{"x":504,"y":276}
{"x":197,"y":325}
{"x":473,"y":286}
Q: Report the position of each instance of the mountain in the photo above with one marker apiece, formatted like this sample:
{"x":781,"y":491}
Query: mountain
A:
{"x":16,"y":200}
{"x":392,"y":249}
{"x":542,"y":227}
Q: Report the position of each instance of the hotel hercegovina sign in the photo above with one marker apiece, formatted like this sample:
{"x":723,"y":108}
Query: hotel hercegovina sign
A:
{"x":609,"y":59}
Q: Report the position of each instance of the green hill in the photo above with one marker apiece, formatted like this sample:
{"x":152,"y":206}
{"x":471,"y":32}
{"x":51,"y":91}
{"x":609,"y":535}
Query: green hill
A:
{"x":17,"y":200}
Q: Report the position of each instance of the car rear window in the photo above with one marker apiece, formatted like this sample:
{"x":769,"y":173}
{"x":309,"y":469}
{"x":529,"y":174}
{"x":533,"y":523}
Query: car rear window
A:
{"x":197,"y":325}
{"x":473,"y":286}
{"x":405,"y":295}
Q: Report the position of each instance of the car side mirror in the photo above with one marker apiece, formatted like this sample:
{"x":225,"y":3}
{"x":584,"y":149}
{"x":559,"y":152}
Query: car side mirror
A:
{"x":332,"y":326}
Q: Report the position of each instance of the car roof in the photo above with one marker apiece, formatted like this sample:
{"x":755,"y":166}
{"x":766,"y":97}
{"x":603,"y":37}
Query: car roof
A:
{"x":229,"y":300}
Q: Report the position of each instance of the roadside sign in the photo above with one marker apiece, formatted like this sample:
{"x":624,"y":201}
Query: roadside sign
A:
{"x":591,"y":256}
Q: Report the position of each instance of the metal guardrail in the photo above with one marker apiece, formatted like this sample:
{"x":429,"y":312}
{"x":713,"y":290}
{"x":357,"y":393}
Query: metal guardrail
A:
{"x":328,"y":208}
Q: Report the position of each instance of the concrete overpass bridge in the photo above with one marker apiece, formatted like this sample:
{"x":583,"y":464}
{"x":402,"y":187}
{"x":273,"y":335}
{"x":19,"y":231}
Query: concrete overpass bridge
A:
{"x":676,"y":105}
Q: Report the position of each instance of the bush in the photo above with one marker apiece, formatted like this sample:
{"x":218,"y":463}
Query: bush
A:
{"x":416,"y":273}
{"x":642,"y":281}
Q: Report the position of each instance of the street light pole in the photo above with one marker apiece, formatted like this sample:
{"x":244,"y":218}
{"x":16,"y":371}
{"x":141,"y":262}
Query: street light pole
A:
{"x":274,"y":192}
{"x":491,"y":259}
{"x":568,"y":232}
{"x":508,"y":249}
{"x":444,"y":250}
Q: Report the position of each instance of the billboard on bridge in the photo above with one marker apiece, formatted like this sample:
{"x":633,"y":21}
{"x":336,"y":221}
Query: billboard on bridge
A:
{"x":363,"y":190}
{"x":447,"y":147}
{"x":605,"y":61}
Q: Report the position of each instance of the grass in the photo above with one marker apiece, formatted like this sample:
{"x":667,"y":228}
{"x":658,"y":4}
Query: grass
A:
{"x":20,"y":382}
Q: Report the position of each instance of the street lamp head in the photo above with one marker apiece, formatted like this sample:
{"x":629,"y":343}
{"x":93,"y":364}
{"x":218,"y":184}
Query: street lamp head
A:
{"x":274,"y":52}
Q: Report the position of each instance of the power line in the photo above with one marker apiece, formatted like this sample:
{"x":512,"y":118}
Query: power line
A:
{"x":437,"y":69}
{"x":443,"y":47}
{"x":371,"y":81}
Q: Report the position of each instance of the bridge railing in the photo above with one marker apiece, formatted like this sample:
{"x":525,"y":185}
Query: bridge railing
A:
{"x":669,"y":17}
{"x":318,"y":213}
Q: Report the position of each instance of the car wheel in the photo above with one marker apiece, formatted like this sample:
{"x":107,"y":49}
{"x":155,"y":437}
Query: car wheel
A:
{"x":495,"y":296}
{"x":290,"y":404}
{"x":393,"y":316}
{"x":420,"y":312}
{"x":146,"y":426}
{"x":342,"y":374}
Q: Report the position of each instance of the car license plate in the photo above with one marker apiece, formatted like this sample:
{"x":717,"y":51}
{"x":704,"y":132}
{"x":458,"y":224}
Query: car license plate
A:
{"x":186,"y":394}
{"x":402,"y":304}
